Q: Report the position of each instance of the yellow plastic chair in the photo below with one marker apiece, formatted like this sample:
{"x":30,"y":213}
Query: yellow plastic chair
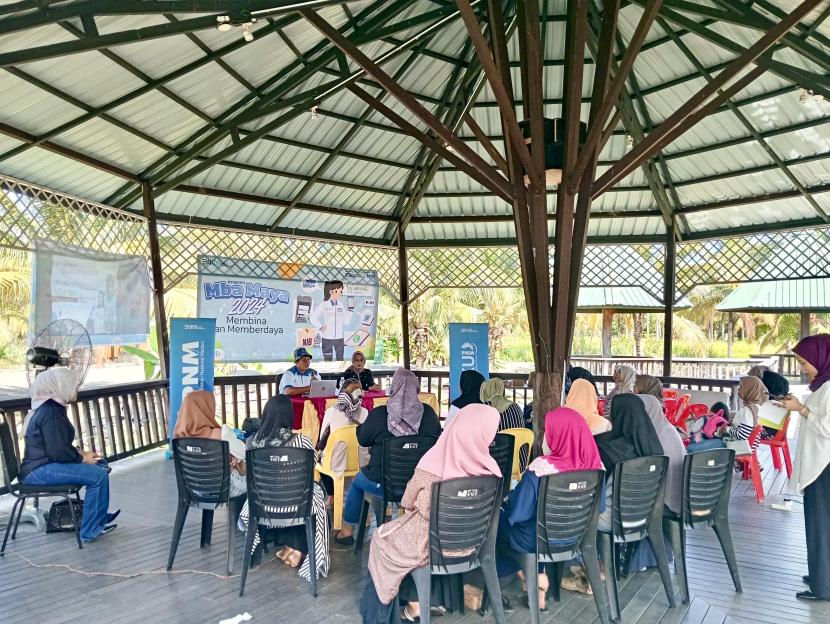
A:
{"x":348,"y":436}
{"x":523,"y":439}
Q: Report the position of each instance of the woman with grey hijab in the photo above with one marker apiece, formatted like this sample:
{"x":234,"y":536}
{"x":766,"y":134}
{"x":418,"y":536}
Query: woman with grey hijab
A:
{"x":672,"y":447}
{"x":404,"y":414}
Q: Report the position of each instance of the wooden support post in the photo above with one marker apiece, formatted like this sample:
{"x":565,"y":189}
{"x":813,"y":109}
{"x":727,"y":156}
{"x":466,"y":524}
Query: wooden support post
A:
{"x":607,"y":323}
{"x":403,"y":274}
{"x":158,"y":279}
{"x":805,"y":323}
{"x":669,"y":273}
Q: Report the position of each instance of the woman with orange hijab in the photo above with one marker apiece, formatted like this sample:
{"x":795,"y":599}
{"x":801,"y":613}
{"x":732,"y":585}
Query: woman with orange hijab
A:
{"x":583,"y":399}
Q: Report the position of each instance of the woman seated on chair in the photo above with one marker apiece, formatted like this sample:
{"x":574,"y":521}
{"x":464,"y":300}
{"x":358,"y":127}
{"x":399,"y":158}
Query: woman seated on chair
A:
{"x":347,"y":411}
{"x":404,"y":414}
{"x":359,"y":372}
{"x":583,"y":399}
{"x":577,"y":372}
{"x":624,"y":379}
{"x":510,"y":414}
{"x":572,"y":447}
{"x":402,"y":545}
{"x":49,"y":458}
{"x":470,"y":382}
{"x":197,"y":419}
{"x":274,"y":431}
{"x":752,"y":392}
{"x":649,"y":385}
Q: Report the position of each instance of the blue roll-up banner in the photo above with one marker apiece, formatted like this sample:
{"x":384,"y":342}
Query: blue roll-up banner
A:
{"x":469,"y":350}
{"x":192,"y":349}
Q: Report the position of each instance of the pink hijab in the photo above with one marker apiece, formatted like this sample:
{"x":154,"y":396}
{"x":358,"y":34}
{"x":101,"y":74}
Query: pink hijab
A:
{"x":572,"y":446}
{"x":463,"y":450}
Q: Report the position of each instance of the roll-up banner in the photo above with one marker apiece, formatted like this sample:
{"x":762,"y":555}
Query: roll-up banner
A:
{"x":469,"y":350}
{"x":192,"y":346}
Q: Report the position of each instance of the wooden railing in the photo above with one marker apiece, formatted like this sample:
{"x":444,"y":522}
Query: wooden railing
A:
{"x":118,"y":421}
{"x":708,"y":368}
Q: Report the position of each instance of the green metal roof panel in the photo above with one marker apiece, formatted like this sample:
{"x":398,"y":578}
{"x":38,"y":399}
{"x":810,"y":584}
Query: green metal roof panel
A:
{"x":780,"y":296}
{"x":633,"y":298}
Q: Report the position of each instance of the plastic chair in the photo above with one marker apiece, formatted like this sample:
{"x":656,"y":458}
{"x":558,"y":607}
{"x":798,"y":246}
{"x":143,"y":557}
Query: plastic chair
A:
{"x":750,"y":467}
{"x":669,"y":393}
{"x":501,"y":449}
{"x":692,"y":409}
{"x":601,"y":406}
{"x":670,"y":408}
{"x":344,"y":435}
{"x":780,"y":442}
{"x":637,"y":514}
{"x":400,"y":457}
{"x":280,"y":495}
{"x":567,"y":510}
{"x":707,"y":482}
{"x":681,"y":413}
{"x":463,"y":518}
{"x":203,"y":477}
{"x":21,"y":491}
{"x":523,"y":442}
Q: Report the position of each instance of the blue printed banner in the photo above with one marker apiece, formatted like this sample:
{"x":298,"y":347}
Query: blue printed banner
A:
{"x":192,"y":346}
{"x":469,"y":350}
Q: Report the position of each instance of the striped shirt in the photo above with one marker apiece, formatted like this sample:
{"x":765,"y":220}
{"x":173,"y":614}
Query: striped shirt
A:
{"x":743,"y":422}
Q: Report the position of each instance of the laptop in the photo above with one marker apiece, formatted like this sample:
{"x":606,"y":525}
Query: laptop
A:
{"x":323,"y":388}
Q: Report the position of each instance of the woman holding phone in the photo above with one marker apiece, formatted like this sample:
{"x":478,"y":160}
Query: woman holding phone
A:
{"x":811,"y":470}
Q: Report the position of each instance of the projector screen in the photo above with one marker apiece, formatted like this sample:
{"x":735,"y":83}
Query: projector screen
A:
{"x":109,"y":294}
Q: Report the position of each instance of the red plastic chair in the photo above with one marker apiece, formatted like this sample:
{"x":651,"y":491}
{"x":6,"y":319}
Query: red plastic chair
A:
{"x":780,"y":442}
{"x":669,"y":393}
{"x":751,"y":467}
{"x":601,"y":406}
{"x":680,"y":413}
{"x":670,"y":409}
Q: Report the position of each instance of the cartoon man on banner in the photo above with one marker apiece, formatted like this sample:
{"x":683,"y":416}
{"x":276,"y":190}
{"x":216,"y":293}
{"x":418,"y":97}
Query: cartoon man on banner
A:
{"x":330,"y":318}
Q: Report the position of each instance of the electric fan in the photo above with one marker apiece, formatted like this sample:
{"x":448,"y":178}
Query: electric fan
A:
{"x":61,"y":343}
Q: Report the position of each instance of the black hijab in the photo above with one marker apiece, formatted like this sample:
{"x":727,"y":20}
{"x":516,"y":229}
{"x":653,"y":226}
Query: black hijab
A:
{"x":632,"y":435}
{"x":777,"y":384}
{"x":276,"y":422}
{"x":471,"y":381}
{"x":577,"y":372}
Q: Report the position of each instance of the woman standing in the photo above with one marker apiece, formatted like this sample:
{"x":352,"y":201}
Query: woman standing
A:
{"x":510,"y":414}
{"x":470,"y":382}
{"x":50,"y":457}
{"x":811,"y":472}
{"x":583,"y":399}
{"x":275,"y":430}
{"x":402,"y":545}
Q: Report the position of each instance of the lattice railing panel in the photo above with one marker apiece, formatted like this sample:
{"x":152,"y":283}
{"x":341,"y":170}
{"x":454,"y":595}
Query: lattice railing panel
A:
{"x":181,"y":247}
{"x":462,"y":267}
{"x":30,"y":212}
{"x":760,"y":257}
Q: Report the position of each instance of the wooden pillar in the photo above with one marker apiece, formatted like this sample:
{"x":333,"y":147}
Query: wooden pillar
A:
{"x":805,"y":323}
{"x":158,"y":279}
{"x":607,"y":320}
{"x":403,"y":273}
{"x":669,"y":275}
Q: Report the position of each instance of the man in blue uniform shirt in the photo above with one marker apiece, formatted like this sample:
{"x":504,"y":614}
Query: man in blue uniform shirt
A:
{"x":297,"y":379}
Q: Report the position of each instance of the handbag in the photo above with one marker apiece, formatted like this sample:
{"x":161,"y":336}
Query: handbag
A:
{"x":60,"y":518}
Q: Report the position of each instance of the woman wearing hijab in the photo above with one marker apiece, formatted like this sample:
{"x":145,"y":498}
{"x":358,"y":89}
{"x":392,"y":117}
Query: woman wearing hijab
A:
{"x":510,"y":414}
{"x":572,"y":447}
{"x":471,"y":382}
{"x":650,"y":385}
{"x":274,"y":431}
{"x":583,"y":399}
{"x":632,"y":435}
{"x":757,"y":371}
{"x":624,"y":379}
{"x":811,"y":472}
{"x":404,"y":414}
{"x":348,"y":410}
{"x":752,"y":392}
{"x":49,"y":457}
{"x":359,"y":372}
{"x":197,"y":419}
{"x":577,"y":372}
{"x":402,"y":545}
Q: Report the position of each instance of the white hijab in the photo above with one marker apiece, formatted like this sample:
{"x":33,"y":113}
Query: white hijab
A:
{"x":59,"y":384}
{"x":627,"y":378}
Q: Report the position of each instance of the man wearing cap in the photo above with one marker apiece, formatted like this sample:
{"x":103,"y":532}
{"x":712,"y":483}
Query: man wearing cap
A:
{"x":297,"y":379}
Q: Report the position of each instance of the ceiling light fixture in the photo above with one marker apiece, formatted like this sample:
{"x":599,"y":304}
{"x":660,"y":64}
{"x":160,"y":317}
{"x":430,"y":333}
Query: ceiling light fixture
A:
{"x":804,"y":95}
{"x":247,"y":35}
{"x":315,"y":115}
{"x":629,"y":142}
{"x":223,"y":23}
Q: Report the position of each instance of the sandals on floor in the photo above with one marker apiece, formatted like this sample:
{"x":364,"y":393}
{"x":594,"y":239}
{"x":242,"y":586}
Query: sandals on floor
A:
{"x":576,"y":583}
{"x":407,"y":617}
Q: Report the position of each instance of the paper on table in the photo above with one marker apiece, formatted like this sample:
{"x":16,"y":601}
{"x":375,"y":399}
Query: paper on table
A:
{"x":771,"y":415}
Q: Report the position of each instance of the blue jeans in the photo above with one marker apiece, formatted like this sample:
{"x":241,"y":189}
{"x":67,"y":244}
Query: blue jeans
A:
{"x":96,"y":497}
{"x":354,"y":499}
{"x":706,"y":445}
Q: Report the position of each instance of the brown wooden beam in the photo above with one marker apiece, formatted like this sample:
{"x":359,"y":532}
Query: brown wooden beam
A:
{"x":496,"y":181}
{"x":595,"y":131}
{"x":669,"y":279}
{"x":403,"y":274}
{"x":158,"y":278}
{"x":486,"y":143}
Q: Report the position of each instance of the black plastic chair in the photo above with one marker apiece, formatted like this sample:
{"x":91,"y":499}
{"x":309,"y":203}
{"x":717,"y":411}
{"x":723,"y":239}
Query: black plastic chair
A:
{"x":204,"y":482}
{"x":399,"y":460}
{"x":501,"y":449}
{"x":21,"y":491}
{"x":707,"y":482}
{"x":280,"y":495}
{"x":463,"y":518}
{"x":566,"y":526}
{"x":637,"y":514}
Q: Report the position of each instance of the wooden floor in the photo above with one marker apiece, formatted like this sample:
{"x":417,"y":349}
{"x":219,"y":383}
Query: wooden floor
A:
{"x":121,"y":579}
